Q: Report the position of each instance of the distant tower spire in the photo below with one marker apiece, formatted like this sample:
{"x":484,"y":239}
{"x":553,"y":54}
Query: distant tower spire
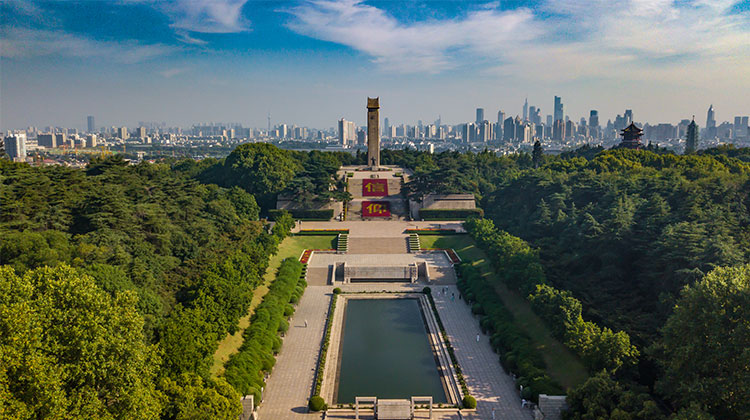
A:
{"x":691,"y":142}
{"x":526,"y":109}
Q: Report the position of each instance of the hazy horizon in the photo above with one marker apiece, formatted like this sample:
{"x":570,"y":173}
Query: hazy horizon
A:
{"x":312,"y":62}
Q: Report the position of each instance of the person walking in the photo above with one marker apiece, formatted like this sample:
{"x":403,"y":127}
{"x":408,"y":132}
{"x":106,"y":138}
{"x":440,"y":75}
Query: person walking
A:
{"x":477,"y":338}
{"x":305,"y":323}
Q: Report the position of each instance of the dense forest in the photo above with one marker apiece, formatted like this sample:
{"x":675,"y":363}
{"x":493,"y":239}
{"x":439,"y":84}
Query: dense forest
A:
{"x":627,"y":233}
{"x":118,"y":280}
{"x":154,"y":263}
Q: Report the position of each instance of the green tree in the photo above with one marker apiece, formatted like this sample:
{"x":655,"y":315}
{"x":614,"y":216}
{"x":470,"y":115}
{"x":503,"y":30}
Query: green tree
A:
{"x":705,"y":349}
{"x":537,"y":155}
{"x":261,"y":169}
{"x":190,"y":397}
{"x":69,"y":350}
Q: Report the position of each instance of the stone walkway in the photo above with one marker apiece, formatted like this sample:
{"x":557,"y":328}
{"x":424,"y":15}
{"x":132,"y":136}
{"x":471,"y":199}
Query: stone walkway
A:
{"x":484,"y":375}
{"x":291,"y":382}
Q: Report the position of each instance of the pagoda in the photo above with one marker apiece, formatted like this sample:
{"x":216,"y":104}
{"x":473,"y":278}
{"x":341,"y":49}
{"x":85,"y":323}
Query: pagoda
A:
{"x":631,"y":137}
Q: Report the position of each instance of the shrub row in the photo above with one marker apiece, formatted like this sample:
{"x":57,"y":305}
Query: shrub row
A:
{"x":245,"y":369}
{"x":449,"y":214}
{"x":518,"y":265}
{"x":517,"y":354}
{"x":304,"y":214}
{"x":433,"y":231}
{"x":320,"y":232}
{"x":326,"y":341}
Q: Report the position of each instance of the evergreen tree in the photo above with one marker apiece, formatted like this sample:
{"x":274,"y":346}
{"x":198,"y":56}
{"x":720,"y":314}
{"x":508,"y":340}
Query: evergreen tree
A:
{"x":537,"y":155}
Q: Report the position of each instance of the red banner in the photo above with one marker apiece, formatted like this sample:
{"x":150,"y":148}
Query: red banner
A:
{"x":376,"y":209}
{"x":374,"y":187}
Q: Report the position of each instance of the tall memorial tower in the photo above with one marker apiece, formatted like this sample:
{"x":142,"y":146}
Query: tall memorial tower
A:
{"x":373,"y":132}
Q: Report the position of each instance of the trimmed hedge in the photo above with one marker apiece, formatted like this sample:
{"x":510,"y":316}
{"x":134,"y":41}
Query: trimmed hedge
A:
{"x":449,"y":214}
{"x":324,"y":347}
{"x":440,"y":232}
{"x":469,"y":402}
{"x":517,"y":354}
{"x":321,"y":232}
{"x":245,"y":369}
{"x":303,"y":214}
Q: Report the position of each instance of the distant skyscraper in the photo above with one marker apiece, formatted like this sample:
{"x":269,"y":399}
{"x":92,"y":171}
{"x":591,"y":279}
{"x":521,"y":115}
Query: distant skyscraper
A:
{"x":594,"y":118}
{"x":559,"y":109}
{"x":141,"y":131}
{"x":480,"y":115}
{"x":691,"y":143}
{"x":710,"y":117}
{"x":509,"y":129}
{"x":628,"y":117}
{"x":90,"y":124}
{"x":15,"y":146}
{"x":549,"y":120}
{"x":122,"y":133}
{"x":347,"y":132}
{"x":526,"y":109}
{"x":740,"y":128}
{"x":558,"y":130}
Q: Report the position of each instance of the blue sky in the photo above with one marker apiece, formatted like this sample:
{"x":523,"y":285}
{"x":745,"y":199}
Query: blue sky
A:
{"x":312,"y":62}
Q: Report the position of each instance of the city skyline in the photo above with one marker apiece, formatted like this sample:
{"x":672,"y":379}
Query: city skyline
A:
{"x":310,"y":62}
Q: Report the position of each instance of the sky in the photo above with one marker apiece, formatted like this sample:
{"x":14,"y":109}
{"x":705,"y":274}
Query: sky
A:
{"x":312,"y":62}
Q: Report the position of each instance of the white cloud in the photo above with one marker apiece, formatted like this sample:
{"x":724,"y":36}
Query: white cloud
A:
{"x":169,"y":73}
{"x":619,"y":39}
{"x":24,"y":43}
{"x":206,"y":16}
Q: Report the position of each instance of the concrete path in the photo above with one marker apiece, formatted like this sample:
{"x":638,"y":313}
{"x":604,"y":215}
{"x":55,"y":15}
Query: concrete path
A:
{"x":484,"y":375}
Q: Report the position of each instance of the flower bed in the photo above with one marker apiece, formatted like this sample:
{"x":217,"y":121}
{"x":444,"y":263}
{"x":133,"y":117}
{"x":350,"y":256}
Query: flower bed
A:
{"x":305,"y":257}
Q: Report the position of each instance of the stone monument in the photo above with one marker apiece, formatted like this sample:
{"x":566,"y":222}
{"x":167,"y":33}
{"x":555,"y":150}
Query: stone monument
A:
{"x":373,"y":132}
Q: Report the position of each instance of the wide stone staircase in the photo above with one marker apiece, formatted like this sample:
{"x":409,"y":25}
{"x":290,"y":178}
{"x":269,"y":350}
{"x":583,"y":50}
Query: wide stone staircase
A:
{"x":397,"y":202}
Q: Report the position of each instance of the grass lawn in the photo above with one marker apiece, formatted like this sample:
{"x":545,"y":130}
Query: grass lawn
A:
{"x":291,"y":246}
{"x":562,"y":365}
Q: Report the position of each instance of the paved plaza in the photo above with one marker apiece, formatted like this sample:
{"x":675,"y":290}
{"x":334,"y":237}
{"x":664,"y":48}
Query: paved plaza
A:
{"x":290,"y":384}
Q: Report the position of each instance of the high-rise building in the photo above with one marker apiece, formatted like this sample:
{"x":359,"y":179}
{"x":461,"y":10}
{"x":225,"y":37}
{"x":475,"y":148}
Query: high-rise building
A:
{"x":558,"y":130}
{"x":710,"y":117}
{"x":61,"y":139}
{"x":386,"y":127}
{"x":740,"y":128}
{"x":549,"y":120}
{"x":46,"y":140}
{"x":480,"y":115}
{"x":509,"y":129}
{"x":141,"y":131}
{"x":15,"y":146}
{"x":91,"y":140}
{"x":559,"y":109}
{"x":485,"y":132}
{"x":90,"y":124}
{"x":122,"y":133}
{"x":526,"y":109}
{"x":628,"y":117}
{"x":691,"y":143}
{"x":594,"y":118}
{"x":347,"y":132}
{"x":499,"y":125}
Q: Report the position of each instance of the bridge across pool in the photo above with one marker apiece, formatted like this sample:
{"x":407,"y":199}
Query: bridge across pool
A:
{"x":385,"y":352}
